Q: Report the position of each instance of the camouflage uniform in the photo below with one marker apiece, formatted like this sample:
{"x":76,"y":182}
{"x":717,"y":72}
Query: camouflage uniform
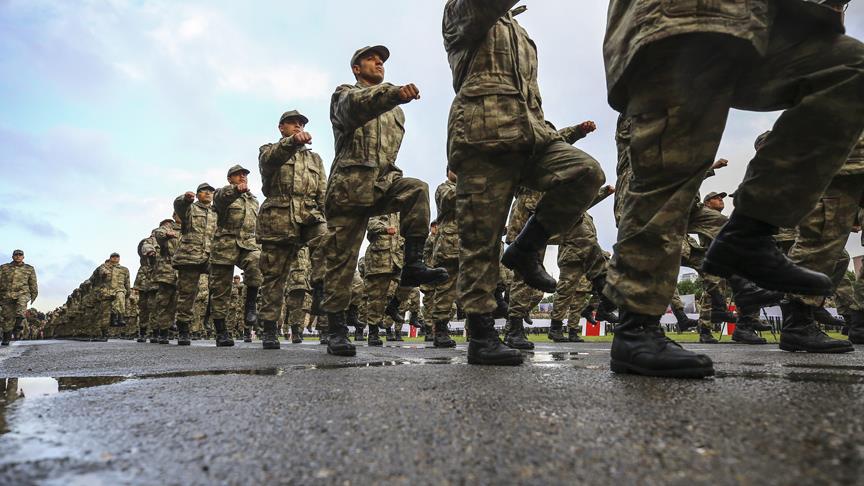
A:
{"x":298,"y":299}
{"x":198,"y":226}
{"x":383,"y":262}
{"x":580,"y":261}
{"x":368,"y":127}
{"x":165,"y":276}
{"x":199,"y":324}
{"x":144,"y":284}
{"x":291,"y":217}
{"x":675,"y":69}
{"x":234,"y":319}
{"x":823,"y":234}
{"x":17,"y":288}
{"x":234,"y":244}
{"x":523,"y":298}
{"x":110,"y":283}
{"x":445,"y":254}
{"x":499,"y":140}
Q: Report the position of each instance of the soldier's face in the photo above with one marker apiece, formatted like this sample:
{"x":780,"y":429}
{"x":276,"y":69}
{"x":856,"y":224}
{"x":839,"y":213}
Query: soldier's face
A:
{"x":290,"y":127}
{"x":237,"y":178}
{"x":370,"y":69}
{"x":205,"y":197}
{"x":236,"y":280}
{"x":17,"y":258}
{"x":115,"y":259}
{"x":716,"y":203}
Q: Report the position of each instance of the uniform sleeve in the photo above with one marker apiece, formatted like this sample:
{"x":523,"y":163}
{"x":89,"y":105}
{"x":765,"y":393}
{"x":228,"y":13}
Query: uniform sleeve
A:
{"x":181,"y":206}
{"x":445,"y":198}
{"x":468,"y":21}
{"x":225,"y":196}
{"x":572,"y":134}
{"x":378,"y":225}
{"x":126,"y":283}
{"x":322,"y":183}
{"x":34,"y":287}
{"x":353,"y":107}
{"x":274,"y":155}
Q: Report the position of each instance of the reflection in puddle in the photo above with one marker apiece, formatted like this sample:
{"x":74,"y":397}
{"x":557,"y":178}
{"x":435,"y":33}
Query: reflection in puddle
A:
{"x":552,"y":357}
{"x":819,"y":377}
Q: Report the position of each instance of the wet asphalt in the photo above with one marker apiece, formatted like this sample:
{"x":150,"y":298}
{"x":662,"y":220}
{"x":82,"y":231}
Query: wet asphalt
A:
{"x":128,"y":413}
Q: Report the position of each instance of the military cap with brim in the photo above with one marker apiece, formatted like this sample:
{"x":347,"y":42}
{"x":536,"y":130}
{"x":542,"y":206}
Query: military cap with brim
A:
{"x":237,"y":168}
{"x":115,"y":254}
{"x":712,"y":195}
{"x":205,"y":187}
{"x":17,"y":252}
{"x":293,"y":114}
{"x":359,"y":53}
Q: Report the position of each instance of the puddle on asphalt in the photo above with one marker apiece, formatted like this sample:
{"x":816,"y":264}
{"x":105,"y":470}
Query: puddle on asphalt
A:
{"x":554,"y":356}
{"x":794,"y":376}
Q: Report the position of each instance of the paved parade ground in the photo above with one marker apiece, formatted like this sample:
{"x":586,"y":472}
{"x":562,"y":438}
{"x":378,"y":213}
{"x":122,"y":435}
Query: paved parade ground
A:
{"x":121,"y":412}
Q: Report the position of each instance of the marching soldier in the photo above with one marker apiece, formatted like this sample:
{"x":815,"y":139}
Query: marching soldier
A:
{"x":17,"y":288}
{"x":165,"y":278}
{"x":110,"y":284}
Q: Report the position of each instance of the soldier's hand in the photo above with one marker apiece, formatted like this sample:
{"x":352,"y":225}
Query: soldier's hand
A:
{"x":242,"y":187}
{"x":409,"y":93}
{"x":720,"y":164}
{"x":587,"y":127}
{"x":391,"y":231}
{"x":302,"y":138}
{"x":610,"y":189}
{"x":189,"y":196}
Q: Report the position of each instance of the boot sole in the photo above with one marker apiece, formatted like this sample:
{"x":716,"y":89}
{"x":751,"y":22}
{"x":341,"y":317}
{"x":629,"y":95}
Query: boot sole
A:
{"x":351,"y":352}
{"x":224,"y":345}
{"x":183,"y":343}
{"x":514,"y":361}
{"x":271,"y":346}
{"x":512,"y":266}
{"x":795,"y":348}
{"x":627,"y":368}
{"x":727,"y":272}
{"x":749,"y":342}
{"x":444,"y":346}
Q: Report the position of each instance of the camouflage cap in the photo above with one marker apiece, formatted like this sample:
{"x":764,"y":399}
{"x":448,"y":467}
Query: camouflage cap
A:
{"x":381,"y":50}
{"x":712,"y":195}
{"x":205,"y":187}
{"x":17,"y":252}
{"x":760,"y":140}
{"x":115,"y":254}
{"x":167,"y":220}
{"x":293,"y":114}
{"x":237,"y":168}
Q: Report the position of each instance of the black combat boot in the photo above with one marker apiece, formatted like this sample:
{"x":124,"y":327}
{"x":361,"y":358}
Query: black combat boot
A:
{"x":684,"y":322}
{"x":749,"y":297}
{"x":485,"y":347}
{"x":524,"y":256}
{"x":556,"y":332}
{"x":427,"y":335}
{"x":745,"y":332}
{"x":117,"y":320}
{"x":442,"y":337}
{"x":588,"y":314}
{"x":413,"y":320}
{"x":164,"y":337}
{"x":338,"y":343}
{"x":515,"y":337}
{"x":573,"y":335}
{"x":414,"y":272}
{"x":296,"y":334}
{"x":502,"y":307}
{"x":352,"y":319}
{"x":7,"y":338}
{"x":825,"y":318}
{"x":719,"y":311}
{"x":183,"y":334}
{"x":641,"y":347}
{"x":358,"y":334}
{"x":800,"y":331}
{"x":270,"y":336}
{"x":388,"y":332}
{"x":223,"y":338}
{"x":374,"y":337}
{"x":706,"y":336}
{"x":746,"y":247}
{"x":154,"y":336}
{"x":142,"y":335}
{"x":247,"y":334}
{"x":605,"y":308}
{"x":392,"y":309}
{"x":856,"y":327}
{"x":317,"y":298}
{"x":250,"y":306}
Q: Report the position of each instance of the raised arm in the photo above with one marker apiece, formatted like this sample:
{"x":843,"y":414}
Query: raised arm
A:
{"x":274,"y":155}
{"x":352,"y":107}
{"x":468,"y":21}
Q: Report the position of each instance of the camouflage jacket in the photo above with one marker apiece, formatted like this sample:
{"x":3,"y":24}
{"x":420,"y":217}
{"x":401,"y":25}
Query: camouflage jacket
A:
{"x":198,"y":226}
{"x":294,"y":184}
{"x":237,"y":214}
{"x":168,"y":237}
{"x":147,"y":263}
{"x":447,"y":240}
{"x":498,"y":107}
{"x":298,"y":276}
{"x":855,"y":164}
{"x":18,"y":280}
{"x":579,"y":242}
{"x":384,"y":253}
{"x":634,"y":24}
{"x":108,"y":279}
{"x":132,"y":304}
{"x":368,"y":127}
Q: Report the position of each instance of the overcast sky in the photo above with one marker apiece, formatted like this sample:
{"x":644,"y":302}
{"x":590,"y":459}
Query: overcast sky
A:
{"x":110,"y":109}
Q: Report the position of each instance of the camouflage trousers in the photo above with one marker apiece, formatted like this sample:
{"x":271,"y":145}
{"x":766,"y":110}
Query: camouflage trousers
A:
{"x":822,"y":235}
{"x":146,"y":308}
{"x":846,"y":298}
{"x":187,"y":291}
{"x":358,"y":298}
{"x":234,"y":320}
{"x":523,"y":299}
{"x":10,"y":310}
{"x":405,"y":295}
{"x":276,"y":262}
{"x":571,"y":294}
{"x":298,"y":303}
{"x":221,"y":277}
{"x":164,"y":307}
{"x":346,"y":225}
{"x":569,"y":178}
{"x":379,"y":288}
{"x":681,"y":90}
{"x":444,"y":295}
